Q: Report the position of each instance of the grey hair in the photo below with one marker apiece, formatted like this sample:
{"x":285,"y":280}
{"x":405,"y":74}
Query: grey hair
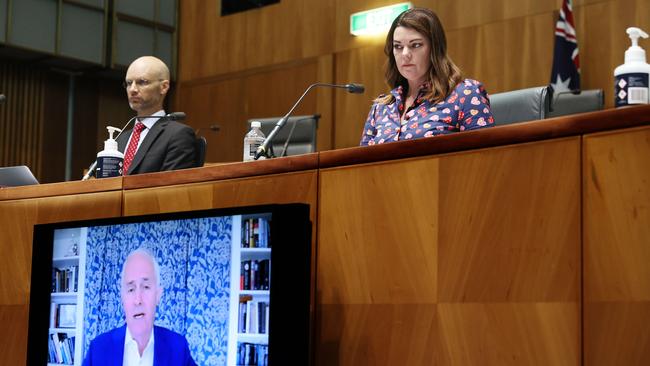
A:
{"x":147,"y":253}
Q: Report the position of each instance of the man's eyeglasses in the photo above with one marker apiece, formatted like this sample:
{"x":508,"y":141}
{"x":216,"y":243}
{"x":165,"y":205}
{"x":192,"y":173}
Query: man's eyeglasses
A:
{"x":140,"y":83}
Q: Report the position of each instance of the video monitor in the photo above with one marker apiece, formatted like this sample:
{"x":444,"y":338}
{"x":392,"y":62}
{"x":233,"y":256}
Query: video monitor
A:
{"x":215,"y":287}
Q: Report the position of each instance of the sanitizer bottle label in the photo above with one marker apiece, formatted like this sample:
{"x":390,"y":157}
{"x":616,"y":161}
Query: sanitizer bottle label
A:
{"x":631,"y":88}
{"x":108,"y":166}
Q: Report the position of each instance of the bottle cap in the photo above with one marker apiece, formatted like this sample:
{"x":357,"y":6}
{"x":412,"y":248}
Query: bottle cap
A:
{"x":111,"y":144}
{"x":635,"y":53}
{"x":256,"y":124}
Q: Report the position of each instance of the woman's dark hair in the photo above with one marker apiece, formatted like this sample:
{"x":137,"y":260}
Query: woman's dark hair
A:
{"x":444,"y":75}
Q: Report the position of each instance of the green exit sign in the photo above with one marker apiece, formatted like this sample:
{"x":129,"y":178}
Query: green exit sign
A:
{"x":376,"y":20}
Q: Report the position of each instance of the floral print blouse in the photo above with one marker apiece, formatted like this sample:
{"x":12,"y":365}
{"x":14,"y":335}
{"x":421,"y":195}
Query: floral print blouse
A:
{"x":466,"y":108}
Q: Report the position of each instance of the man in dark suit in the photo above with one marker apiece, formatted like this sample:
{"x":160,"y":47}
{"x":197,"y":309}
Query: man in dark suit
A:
{"x":139,"y":341}
{"x":154,"y":144}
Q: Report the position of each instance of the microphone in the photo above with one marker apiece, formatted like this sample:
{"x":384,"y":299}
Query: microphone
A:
{"x":351,"y":88}
{"x":2,"y":98}
{"x":174,"y":116}
{"x":355,"y":88}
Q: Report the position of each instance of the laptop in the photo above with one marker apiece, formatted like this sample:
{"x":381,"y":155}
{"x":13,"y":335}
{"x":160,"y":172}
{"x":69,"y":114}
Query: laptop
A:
{"x":14,"y":176}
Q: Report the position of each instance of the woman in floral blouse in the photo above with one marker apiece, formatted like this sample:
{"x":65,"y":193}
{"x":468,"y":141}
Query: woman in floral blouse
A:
{"x":430,"y":97}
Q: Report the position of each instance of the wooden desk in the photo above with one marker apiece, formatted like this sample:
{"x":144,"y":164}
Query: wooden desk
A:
{"x":522,"y":244}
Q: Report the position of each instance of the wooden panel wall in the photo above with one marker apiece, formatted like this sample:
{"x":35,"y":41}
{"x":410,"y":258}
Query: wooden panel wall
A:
{"x":33,"y":119}
{"x":18,"y":218}
{"x":617,"y":247}
{"x":232,"y":100}
{"x":464,"y":259}
{"x":21,"y":116}
{"x":507,"y":44}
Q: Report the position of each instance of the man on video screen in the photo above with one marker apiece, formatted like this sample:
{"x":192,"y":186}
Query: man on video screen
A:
{"x":139,"y":341}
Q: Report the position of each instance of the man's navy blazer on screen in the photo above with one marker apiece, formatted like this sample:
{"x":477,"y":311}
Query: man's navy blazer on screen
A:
{"x":170,"y":349}
{"x":169,"y":145}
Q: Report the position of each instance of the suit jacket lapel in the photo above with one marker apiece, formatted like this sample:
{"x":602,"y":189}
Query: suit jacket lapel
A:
{"x":118,"y":346}
{"x":122,"y":140}
{"x":161,"y":349}
{"x":156,"y":130}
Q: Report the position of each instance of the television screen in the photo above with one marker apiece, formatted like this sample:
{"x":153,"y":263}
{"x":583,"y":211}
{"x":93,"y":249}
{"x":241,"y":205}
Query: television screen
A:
{"x":215,"y":287}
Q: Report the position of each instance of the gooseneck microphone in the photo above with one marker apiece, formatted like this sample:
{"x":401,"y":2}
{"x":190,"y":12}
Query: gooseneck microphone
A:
{"x":351,"y":88}
{"x":174,"y":116}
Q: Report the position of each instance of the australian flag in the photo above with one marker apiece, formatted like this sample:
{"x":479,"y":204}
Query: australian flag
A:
{"x":566,"y":61}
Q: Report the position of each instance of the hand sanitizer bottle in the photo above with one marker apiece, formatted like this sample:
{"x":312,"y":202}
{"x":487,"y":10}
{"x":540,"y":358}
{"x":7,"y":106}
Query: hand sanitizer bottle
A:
{"x":631,"y":78}
{"x":110,"y":160}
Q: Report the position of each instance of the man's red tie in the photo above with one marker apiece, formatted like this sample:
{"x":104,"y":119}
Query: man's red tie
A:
{"x":133,"y":146}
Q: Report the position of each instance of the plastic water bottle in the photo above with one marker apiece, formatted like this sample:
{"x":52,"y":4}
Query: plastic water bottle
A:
{"x":253,"y":139}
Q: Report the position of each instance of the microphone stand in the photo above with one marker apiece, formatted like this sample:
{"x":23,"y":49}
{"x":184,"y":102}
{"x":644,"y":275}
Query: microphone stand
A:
{"x":262,"y":150}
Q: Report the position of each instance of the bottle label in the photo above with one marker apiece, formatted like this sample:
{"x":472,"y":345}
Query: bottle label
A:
{"x":253,"y":148}
{"x":108,"y":166}
{"x":251,"y":144}
{"x":631,"y":88}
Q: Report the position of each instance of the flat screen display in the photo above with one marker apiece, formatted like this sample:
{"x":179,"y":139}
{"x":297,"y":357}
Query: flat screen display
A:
{"x":215,"y":287}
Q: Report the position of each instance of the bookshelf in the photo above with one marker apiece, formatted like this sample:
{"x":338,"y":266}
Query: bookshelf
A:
{"x":66,"y":297}
{"x":249,"y":289}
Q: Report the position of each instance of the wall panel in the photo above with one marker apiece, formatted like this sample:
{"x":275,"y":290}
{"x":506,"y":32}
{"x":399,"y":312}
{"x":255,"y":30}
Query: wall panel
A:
{"x":21,"y":116}
{"x":220,"y":103}
{"x":476,"y":255}
{"x":362,"y":65}
{"x":213,"y":45}
{"x":284,"y":188}
{"x":616,"y":246}
{"x":18,"y":218}
{"x":231,"y":101}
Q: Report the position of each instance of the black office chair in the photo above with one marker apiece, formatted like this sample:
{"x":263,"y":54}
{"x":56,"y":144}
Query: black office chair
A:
{"x":521,"y":105}
{"x":201,"y":146}
{"x":298,"y":136}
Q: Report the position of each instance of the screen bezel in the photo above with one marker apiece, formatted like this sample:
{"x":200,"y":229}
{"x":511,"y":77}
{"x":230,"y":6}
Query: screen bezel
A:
{"x":290,"y":317}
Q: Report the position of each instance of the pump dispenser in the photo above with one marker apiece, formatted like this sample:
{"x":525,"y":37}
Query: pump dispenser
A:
{"x":110,"y":160}
{"x":632,"y":78}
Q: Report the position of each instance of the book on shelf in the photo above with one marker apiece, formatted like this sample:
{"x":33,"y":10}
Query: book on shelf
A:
{"x":253,"y":317}
{"x":245,"y":275}
{"x":65,"y":279}
{"x":63,"y":315}
{"x":252,"y":354}
{"x":53,"y":309}
{"x":61,"y":349}
{"x":255,"y":233}
{"x":255,"y":275}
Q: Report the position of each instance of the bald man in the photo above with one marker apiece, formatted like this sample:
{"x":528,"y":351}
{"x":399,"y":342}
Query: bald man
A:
{"x":153,"y":144}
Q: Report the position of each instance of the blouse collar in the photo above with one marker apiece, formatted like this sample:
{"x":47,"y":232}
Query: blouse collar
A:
{"x":399,"y":91}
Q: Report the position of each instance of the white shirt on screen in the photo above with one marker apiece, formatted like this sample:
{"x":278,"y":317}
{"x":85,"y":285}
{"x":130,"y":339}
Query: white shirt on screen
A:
{"x":132,"y":356}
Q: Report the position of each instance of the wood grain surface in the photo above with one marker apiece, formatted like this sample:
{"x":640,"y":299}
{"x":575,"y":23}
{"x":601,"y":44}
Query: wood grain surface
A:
{"x":617,"y":247}
{"x":488,"y":241}
{"x":18,"y":218}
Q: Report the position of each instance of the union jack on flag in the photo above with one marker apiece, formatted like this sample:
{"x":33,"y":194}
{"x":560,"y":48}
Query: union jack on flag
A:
{"x":565,"y":75}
